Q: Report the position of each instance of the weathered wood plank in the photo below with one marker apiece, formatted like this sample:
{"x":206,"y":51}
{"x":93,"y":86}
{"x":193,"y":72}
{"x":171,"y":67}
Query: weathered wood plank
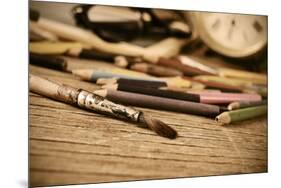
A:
{"x":69,"y":145}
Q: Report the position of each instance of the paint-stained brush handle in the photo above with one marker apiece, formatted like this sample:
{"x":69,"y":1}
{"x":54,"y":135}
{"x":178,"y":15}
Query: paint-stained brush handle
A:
{"x":53,"y":90}
{"x":81,"y":98}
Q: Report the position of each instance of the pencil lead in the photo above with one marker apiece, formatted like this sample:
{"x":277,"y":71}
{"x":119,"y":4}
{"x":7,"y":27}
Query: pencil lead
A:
{"x":158,"y":126}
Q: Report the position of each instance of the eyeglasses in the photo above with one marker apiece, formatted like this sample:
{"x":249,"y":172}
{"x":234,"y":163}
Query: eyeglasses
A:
{"x":125,"y":24}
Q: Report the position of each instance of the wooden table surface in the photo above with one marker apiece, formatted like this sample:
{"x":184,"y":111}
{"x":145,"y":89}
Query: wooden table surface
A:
{"x":69,"y":145}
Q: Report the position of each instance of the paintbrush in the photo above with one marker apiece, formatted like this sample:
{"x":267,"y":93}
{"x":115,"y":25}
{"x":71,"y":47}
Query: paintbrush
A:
{"x":91,"y":101}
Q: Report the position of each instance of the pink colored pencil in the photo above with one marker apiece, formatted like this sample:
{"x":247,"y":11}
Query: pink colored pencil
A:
{"x":204,"y":92}
{"x":224,"y":98}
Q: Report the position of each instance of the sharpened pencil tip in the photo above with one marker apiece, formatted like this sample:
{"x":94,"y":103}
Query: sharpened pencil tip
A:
{"x":158,"y":126}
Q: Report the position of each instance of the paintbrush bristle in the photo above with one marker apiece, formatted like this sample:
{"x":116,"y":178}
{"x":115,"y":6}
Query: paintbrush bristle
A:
{"x":158,"y":126}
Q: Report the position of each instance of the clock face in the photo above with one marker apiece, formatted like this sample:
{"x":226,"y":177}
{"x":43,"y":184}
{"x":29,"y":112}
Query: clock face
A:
{"x":234,"y":35}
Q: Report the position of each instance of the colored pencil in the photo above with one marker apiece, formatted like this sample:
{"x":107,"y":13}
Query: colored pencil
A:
{"x":69,"y":48}
{"x":202,"y":97}
{"x":90,"y":101}
{"x":54,"y":48}
{"x":160,"y":103}
{"x":187,"y":65}
{"x":154,"y":92}
{"x":50,"y":62}
{"x":245,"y":75}
{"x":245,"y":104}
{"x":45,"y":35}
{"x":78,"y":50}
{"x":229,"y":81}
{"x":216,"y":85}
{"x":155,"y":70}
{"x":95,"y":75}
{"x":140,"y":83}
{"x":225,"y":98}
{"x":241,"y":114}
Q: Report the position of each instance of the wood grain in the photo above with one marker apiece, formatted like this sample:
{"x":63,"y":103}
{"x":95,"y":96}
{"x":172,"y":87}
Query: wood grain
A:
{"x":68,"y":145}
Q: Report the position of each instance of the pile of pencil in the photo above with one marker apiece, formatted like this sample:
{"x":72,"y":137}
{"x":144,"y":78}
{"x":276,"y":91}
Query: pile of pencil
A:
{"x":157,"y":77}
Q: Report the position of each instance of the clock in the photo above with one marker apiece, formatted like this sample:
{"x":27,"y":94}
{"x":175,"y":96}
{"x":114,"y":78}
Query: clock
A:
{"x":232,"y":35}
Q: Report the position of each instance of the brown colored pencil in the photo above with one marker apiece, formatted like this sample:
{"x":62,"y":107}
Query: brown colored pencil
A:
{"x":160,"y":103}
{"x":154,"y":92}
{"x":187,"y":65}
{"x":216,"y":85}
{"x":155,"y":70}
{"x":51,"y":62}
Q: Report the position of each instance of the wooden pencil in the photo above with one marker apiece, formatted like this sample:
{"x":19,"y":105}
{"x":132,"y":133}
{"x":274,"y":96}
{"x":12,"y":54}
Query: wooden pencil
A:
{"x":202,"y":97}
{"x":96,"y":75}
{"x":229,"y":81}
{"x":226,"y":118}
{"x":54,"y":48}
{"x":245,"y":104}
{"x":78,"y":50}
{"x":225,"y":98}
{"x":90,"y":101}
{"x":138,"y":64}
{"x":75,"y":49}
{"x":51,"y":62}
{"x":160,"y":103}
{"x":187,"y":65}
{"x":217,"y":85}
{"x":139,"y":83}
{"x":155,"y":70}
{"x":241,"y":74}
{"x":45,"y":35}
{"x":154,"y":92}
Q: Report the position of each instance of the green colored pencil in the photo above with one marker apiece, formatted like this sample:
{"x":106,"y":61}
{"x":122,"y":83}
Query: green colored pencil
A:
{"x":241,"y":114}
{"x":245,"y":104}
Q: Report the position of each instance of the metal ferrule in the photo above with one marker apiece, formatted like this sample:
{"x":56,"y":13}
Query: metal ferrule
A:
{"x":99,"y":104}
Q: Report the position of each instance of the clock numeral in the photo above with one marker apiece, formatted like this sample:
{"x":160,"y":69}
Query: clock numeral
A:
{"x":258,"y":27}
